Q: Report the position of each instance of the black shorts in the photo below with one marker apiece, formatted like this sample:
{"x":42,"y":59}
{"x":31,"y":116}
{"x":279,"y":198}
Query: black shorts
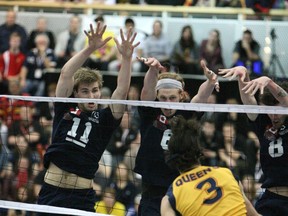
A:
{"x":81,"y":199}
{"x":272,"y":204}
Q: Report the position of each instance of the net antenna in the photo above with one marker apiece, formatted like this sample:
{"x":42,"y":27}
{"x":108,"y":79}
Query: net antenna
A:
{"x":274,"y":61}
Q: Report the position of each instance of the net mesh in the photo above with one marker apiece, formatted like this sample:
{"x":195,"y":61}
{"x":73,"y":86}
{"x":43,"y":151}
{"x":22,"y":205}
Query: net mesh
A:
{"x":21,"y":163}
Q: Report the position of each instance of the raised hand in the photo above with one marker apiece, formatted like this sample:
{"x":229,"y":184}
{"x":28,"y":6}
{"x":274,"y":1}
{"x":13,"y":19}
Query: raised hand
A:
{"x":126,"y":47}
{"x":210,"y":75}
{"x":95,"y":40}
{"x":153,"y":63}
{"x":234,"y":72}
{"x":253,"y":86}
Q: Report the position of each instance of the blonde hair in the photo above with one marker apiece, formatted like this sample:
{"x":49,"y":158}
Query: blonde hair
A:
{"x":87,"y":75}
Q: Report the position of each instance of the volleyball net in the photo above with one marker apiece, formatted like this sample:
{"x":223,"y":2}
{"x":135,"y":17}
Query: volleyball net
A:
{"x":21,"y":160}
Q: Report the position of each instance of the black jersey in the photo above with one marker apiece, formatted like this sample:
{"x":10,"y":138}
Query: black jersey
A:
{"x":155,"y":134}
{"x":79,"y":138}
{"x":273,"y":152}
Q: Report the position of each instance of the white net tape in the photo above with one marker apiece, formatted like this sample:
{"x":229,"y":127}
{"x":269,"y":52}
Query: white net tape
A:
{"x":44,"y":209}
{"x":202,"y":107}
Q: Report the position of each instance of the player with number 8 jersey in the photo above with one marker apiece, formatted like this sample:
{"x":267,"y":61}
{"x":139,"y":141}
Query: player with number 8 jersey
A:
{"x":82,"y":131}
{"x":272,"y":133}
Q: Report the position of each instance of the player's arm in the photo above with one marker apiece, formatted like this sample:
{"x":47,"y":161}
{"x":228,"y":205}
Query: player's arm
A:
{"x":23,"y":75}
{"x":148,"y":92}
{"x":65,"y":83}
{"x":206,"y":88}
{"x":265,"y":82}
{"x":126,"y":49}
{"x":243,"y":78}
{"x":166,"y":209}
{"x":249,"y":207}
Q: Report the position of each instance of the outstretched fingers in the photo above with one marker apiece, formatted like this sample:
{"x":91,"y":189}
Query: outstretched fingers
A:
{"x":122,"y":35}
{"x":152,"y":62}
{"x":251,"y":88}
{"x":91,"y":32}
{"x":210,"y":75}
{"x":132,"y":38}
{"x":107,"y":39}
{"x":101,"y":31}
{"x":227,"y":73}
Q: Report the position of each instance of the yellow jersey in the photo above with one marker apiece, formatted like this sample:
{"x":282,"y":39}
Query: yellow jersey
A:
{"x":207,"y":191}
{"x":117,"y":210}
{"x":106,"y":48}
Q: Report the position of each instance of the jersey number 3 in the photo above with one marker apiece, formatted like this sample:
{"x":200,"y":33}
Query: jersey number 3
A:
{"x":213,"y":188}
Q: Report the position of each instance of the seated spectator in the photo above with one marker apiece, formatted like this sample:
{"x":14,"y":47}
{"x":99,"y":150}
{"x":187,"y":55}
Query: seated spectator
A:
{"x":247,"y":53}
{"x":25,"y":162}
{"x":249,"y":188}
{"x":7,"y":28}
{"x":27,"y":127}
{"x":211,"y":116}
{"x":228,"y":3}
{"x":239,"y":119}
{"x":41,"y":28}
{"x":129,"y":160}
{"x":121,"y":139}
{"x":100,"y":58}
{"x":69,"y":42}
{"x":100,"y":182}
{"x":105,"y":166}
{"x":3,"y":163}
{"x":22,"y":165}
{"x":24,"y":195}
{"x":7,"y":187}
{"x":11,"y":62}
{"x":211,"y":51}
{"x":134,"y":210}
{"x":10,"y":109}
{"x":33,"y":70}
{"x":128,"y":1}
{"x":109,"y":204}
{"x":167,"y":2}
{"x":136,"y":65}
{"x":157,"y":45}
{"x":185,"y":53}
{"x":38,"y":181}
{"x":134,"y":118}
{"x":45,"y":113}
{"x":105,"y":94}
{"x":236,"y":152}
{"x":124,"y":187}
{"x":209,"y":141}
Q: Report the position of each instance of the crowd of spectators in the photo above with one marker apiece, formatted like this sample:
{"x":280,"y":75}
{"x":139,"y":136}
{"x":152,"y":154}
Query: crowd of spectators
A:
{"x":26,"y":126}
{"x":260,"y":5}
{"x":28,"y":56}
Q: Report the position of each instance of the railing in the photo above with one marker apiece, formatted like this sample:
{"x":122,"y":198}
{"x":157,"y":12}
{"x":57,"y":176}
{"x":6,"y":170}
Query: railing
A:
{"x":155,"y":10}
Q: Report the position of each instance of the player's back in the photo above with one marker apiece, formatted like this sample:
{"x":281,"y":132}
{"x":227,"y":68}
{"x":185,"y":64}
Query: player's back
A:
{"x":206,"y":191}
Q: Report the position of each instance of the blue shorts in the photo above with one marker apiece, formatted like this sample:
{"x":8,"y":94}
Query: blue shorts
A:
{"x":272,"y":204}
{"x":82,"y":199}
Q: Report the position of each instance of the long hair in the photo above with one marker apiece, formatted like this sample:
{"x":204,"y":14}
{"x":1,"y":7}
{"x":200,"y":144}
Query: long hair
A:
{"x":187,"y":43}
{"x":184,"y":149}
